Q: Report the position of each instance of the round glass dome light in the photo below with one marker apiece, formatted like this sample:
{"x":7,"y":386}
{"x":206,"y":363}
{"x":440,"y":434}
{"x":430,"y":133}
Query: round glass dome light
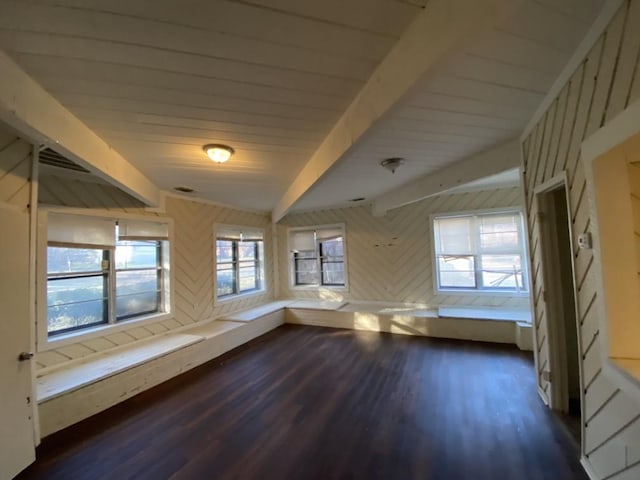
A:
{"x":218,"y":153}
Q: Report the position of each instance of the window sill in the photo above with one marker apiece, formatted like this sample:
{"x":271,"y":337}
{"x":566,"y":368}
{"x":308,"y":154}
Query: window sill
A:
{"x":484,"y":293}
{"x":336,"y":288}
{"x":100,"y":331}
{"x":231,"y":298}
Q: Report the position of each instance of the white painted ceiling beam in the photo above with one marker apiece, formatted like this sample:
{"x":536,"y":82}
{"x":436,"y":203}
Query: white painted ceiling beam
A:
{"x":493,"y":161}
{"x":31,"y":110}
{"x":443,"y":27}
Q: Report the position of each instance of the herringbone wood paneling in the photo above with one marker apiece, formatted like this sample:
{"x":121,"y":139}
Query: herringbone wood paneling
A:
{"x":600,"y":88}
{"x":192,"y":263}
{"x":390,"y":257}
{"x":15,"y":170}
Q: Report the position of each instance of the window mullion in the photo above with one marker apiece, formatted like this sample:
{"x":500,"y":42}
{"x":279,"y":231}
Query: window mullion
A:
{"x":256,"y":266}
{"x":234,"y":265}
{"x":111,"y":286}
{"x":320,"y":267}
{"x":477,"y":251}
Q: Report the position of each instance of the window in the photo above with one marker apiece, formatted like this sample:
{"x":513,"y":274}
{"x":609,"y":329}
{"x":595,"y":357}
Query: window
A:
{"x":239,"y":261}
{"x":102,"y":271}
{"x":138,"y":278}
{"x":318,"y":256}
{"x":77,"y":288}
{"x":480,"y":252}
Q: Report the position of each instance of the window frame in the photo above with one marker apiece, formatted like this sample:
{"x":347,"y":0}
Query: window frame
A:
{"x":318,"y":258}
{"x":46,"y":342}
{"x":477,"y":290}
{"x":258,"y":263}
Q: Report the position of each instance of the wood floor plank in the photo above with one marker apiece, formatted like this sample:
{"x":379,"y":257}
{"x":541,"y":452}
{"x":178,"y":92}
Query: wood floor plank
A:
{"x":312,"y":403}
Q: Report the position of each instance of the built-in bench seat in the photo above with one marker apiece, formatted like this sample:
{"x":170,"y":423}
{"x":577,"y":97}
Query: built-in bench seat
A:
{"x":105,"y":365}
{"x":254,"y":313}
{"x":78,"y":390}
{"x":74,"y":391}
{"x":489,"y":324}
{"x":487,"y":313}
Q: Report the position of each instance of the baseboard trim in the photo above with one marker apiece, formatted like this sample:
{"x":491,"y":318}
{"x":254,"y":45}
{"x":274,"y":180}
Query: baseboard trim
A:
{"x":588,"y":468}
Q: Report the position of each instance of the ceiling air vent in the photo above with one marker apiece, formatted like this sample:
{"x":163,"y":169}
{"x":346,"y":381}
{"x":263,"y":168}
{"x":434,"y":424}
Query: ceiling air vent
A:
{"x":54,"y":159}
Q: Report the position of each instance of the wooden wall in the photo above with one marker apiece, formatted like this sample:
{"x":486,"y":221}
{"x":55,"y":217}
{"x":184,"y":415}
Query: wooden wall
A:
{"x":390,"y":257}
{"x":15,"y":169}
{"x":602,"y":86}
{"x":193,"y":260}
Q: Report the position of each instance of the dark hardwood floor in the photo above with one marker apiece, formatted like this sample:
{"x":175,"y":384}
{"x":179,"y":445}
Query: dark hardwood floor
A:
{"x":314,"y":403}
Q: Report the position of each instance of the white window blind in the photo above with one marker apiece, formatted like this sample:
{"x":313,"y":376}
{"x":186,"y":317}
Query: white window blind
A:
{"x":65,"y":229}
{"x":236,"y":233}
{"x":454,"y":235}
{"x":329,"y":233}
{"x":142,"y":230}
{"x":303,"y":241}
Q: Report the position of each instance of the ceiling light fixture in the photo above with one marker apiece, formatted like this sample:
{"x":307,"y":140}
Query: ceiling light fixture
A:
{"x":218,"y":153}
{"x":392,"y":163}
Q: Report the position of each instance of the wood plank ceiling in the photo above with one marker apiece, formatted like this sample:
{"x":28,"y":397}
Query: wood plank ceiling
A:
{"x":158,"y":80}
{"x":479,"y":98}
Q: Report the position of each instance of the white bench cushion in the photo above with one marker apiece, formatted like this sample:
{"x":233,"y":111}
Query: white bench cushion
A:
{"x":77,"y":376}
{"x":316,"y":305}
{"x":214,"y":328}
{"x":486,"y":313}
{"x":257,"y":312}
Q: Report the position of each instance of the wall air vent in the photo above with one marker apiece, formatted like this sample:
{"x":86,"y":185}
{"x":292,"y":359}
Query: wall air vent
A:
{"x":54,"y":159}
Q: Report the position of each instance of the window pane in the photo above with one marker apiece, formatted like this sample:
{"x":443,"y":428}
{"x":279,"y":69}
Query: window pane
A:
{"x":136,"y":281}
{"x":63,"y":259}
{"x":224,"y":250}
{"x":137,"y":304}
{"x":454,"y":235}
{"x":225,"y":279}
{"x":248,"y":280}
{"x":457,"y":271}
{"x":76,"y":302}
{"x":333,"y":273}
{"x":502,"y":271}
{"x":306,"y":271}
{"x":247,"y":250}
{"x":136,"y":254}
{"x":499,"y":232}
{"x":332,"y":248}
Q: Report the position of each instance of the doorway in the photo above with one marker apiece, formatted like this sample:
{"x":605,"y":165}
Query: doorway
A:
{"x":566,"y":397}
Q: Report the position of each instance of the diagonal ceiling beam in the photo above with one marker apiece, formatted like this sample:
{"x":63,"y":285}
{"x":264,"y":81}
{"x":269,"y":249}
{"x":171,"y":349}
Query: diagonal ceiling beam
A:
{"x":496,"y":160}
{"x":32,"y":111}
{"x":442,"y":27}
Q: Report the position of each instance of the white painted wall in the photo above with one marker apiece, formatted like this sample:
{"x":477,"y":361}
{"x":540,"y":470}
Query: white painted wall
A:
{"x":390,"y":257}
{"x":602,"y":85}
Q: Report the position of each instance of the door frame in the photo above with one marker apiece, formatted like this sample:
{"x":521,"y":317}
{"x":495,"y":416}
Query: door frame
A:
{"x":556,"y":341}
